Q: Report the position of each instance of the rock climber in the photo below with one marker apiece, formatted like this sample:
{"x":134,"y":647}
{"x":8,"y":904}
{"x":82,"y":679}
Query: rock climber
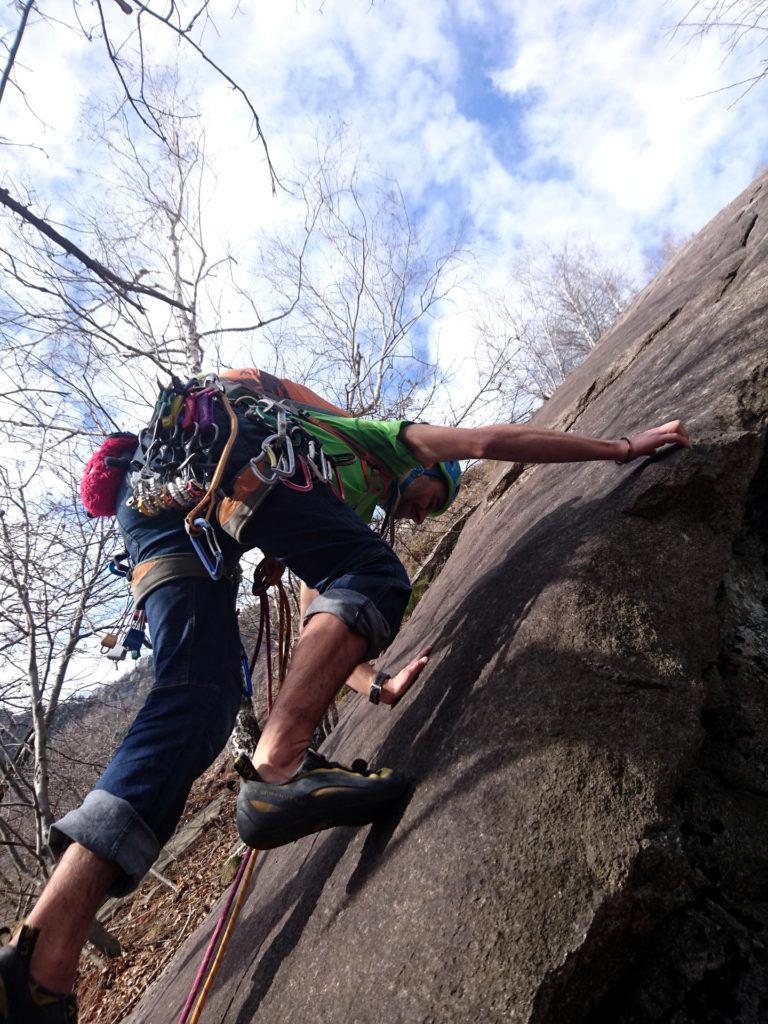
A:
{"x":356,"y":593}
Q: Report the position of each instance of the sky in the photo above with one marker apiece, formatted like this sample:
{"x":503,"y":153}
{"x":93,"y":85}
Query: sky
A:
{"x":511,"y":123}
{"x":526,"y":122}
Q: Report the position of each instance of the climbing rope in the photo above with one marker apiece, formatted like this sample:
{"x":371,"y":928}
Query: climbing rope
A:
{"x":262,"y":580}
{"x":209,"y":967}
{"x":214,"y":954}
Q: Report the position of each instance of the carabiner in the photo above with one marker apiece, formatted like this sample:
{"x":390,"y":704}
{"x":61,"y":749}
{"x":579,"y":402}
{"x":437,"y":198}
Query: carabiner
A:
{"x":188,"y":439}
{"x":307,"y":485}
{"x":212,"y":559}
{"x":205,"y":443}
{"x":117,"y":565}
{"x":287,"y":455}
{"x":325,"y":473}
{"x":164,"y":461}
{"x":266,"y":452}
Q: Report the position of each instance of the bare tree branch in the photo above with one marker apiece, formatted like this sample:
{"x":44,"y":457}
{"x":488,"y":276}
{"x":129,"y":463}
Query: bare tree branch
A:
{"x":106,"y":275}
{"x":25,"y":12}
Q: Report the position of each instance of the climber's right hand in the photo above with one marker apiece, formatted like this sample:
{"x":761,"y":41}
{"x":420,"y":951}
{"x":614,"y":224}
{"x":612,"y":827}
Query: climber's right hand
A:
{"x":650,"y":441}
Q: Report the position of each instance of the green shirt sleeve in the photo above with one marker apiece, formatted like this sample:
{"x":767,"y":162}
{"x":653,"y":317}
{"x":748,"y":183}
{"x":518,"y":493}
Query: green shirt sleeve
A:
{"x":381,"y":439}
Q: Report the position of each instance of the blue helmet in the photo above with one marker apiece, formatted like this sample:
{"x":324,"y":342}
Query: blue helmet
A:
{"x":448,"y":472}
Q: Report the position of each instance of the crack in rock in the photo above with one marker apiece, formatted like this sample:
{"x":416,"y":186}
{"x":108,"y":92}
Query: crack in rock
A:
{"x":748,"y":232}
{"x":601,"y":384}
{"x":727,"y":282}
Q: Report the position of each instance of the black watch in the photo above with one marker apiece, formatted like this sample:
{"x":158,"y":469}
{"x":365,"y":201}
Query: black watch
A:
{"x":378,"y":681}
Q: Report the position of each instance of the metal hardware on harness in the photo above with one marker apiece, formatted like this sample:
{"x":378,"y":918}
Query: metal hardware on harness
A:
{"x":212,"y":558}
{"x":307,"y":485}
{"x":315,"y":455}
{"x":269,"y":455}
{"x":120,"y":565}
{"x":285,"y":464}
{"x":213,"y":381}
{"x":177,"y":449}
{"x":132,"y":642}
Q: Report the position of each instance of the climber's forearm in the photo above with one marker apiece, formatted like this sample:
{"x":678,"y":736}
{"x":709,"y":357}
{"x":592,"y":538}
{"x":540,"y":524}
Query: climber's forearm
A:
{"x":507,"y":442}
{"x":361,"y":678}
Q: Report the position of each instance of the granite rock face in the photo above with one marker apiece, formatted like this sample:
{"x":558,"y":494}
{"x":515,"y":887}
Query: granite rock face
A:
{"x":586,"y":837}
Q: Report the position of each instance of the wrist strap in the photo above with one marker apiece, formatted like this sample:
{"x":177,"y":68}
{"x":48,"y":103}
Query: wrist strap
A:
{"x":378,"y":681}
{"x":630,"y":453}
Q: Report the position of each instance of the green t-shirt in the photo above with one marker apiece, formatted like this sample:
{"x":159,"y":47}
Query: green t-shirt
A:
{"x":364,"y":487}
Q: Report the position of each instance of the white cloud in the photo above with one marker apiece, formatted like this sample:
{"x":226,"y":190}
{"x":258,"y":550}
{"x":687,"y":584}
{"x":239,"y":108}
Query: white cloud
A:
{"x":627,"y":110}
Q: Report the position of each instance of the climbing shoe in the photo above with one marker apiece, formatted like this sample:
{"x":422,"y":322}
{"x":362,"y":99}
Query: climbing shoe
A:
{"x":322,"y":794}
{"x":22,"y":1000}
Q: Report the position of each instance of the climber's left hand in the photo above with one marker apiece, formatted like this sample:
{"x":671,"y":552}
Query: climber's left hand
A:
{"x":398,"y":685}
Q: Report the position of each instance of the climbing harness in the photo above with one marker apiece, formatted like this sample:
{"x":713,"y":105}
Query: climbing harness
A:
{"x":176,"y":468}
{"x":284,"y":452}
{"x":311,"y":412}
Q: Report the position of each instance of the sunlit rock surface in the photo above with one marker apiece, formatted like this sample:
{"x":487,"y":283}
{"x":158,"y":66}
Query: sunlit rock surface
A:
{"x":586,"y":837}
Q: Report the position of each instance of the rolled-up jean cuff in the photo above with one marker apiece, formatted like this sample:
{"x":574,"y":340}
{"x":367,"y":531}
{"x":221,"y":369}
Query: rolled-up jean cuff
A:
{"x":108,"y":826}
{"x":360,"y":614}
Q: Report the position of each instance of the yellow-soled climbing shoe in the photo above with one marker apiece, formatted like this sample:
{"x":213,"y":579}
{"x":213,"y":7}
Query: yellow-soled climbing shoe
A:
{"x":322,"y":794}
{"x":22,"y":1000}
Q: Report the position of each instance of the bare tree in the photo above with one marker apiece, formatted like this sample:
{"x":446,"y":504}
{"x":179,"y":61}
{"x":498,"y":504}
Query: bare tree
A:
{"x":370,"y":285}
{"x":554,"y":311}
{"x":54,"y":594}
{"x":77,"y":350}
{"x":190,"y":25}
{"x":741,"y":26}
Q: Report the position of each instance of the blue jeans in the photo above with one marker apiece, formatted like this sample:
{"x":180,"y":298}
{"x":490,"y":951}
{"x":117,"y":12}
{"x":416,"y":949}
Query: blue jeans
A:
{"x":190,"y":711}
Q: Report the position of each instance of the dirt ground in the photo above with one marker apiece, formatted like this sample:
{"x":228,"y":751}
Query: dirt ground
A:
{"x":154,"y":923}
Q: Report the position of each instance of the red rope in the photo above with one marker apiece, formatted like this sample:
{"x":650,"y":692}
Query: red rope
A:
{"x":208,"y":955}
{"x":264,"y":635}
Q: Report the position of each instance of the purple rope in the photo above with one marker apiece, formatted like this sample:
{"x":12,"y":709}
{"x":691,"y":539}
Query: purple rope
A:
{"x":203,"y":969}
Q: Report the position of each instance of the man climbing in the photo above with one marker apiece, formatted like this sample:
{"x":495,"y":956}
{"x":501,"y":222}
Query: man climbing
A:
{"x":249,"y":451}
